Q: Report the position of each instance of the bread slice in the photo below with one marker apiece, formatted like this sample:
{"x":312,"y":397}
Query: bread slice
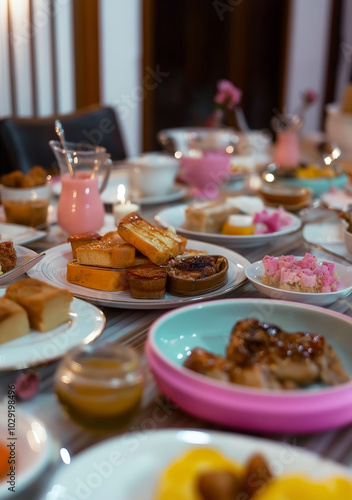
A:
{"x":112,"y":255}
{"x":47,"y":306}
{"x":81,"y":239}
{"x":13,"y":321}
{"x":99,"y":278}
{"x":157,"y":244}
{"x":208,"y":216}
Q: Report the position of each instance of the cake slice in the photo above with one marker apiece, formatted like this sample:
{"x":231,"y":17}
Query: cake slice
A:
{"x":98,"y":278}
{"x":13,"y":321}
{"x":46,"y":305}
{"x":208,"y":216}
{"x":113,"y":255}
{"x":81,"y":239}
{"x":8,"y":256}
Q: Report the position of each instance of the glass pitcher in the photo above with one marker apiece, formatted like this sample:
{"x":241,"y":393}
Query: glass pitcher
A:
{"x":80,"y":208}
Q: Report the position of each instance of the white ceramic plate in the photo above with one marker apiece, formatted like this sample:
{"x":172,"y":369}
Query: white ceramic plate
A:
{"x":23,"y":255}
{"x":86,"y":324}
{"x":109,"y":195}
{"x":34,"y":450}
{"x":255,"y":273}
{"x":52,"y":269}
{"x":175,"y":217}
{"x":19,"y":234}
{"x":329,"y":236}
{"x":144,"y":456}
{"x":337,"y":200}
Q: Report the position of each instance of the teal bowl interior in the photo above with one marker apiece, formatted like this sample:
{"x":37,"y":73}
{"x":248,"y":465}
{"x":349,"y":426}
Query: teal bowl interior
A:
{"x":319,"y":185}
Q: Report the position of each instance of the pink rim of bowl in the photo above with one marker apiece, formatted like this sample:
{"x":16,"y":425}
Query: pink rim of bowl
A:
{"x":235,"y":406}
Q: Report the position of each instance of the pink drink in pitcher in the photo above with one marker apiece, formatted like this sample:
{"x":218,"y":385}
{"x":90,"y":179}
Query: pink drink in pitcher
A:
{"x":80,"y":208}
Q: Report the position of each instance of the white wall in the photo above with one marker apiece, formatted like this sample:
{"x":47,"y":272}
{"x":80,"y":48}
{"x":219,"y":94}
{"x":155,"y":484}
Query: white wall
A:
{"x":121,"y":61}
{"x":21,"y":35}
{"x":307,"y":59}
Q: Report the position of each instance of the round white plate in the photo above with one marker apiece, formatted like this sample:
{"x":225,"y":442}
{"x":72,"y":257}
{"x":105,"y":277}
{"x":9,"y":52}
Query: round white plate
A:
{"x":255,"y":273}
{"x":52,"y":269}
{"x":34,"y":449}
{"x":337,"y":199}
{"x":19,"y":234}
{"x":109,"y":195}
{"x":86,"y":324}
{"x":130,"y":466}
{"x":23,"y":255}
{"x":175,"y":217}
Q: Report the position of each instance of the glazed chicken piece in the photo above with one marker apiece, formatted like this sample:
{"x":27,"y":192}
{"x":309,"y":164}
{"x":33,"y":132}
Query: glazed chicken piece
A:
{"x":293,"y":359}
{"x":263,"y":355}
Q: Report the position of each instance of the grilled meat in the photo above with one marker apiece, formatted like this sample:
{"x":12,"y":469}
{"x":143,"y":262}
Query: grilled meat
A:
{"x":263,"y":355}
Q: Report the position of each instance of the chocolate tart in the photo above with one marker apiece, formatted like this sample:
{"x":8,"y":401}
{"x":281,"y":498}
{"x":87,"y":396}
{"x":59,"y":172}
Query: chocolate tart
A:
{"x":195,"y":275}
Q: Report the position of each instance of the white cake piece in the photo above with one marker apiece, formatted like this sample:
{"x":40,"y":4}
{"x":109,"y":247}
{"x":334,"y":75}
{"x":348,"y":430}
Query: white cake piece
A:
{"x":246,"y":204}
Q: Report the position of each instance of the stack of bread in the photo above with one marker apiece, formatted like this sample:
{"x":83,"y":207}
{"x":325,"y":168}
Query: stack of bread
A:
{"x":32,"y":304}
{"x":131,"y":258}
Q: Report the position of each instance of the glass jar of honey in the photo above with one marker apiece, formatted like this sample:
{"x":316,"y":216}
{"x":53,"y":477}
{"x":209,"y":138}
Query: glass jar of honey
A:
{"x":100,"y":387}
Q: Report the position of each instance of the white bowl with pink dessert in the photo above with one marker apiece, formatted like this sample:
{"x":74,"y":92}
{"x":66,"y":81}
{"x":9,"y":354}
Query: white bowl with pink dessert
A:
{"x":333,"y":280}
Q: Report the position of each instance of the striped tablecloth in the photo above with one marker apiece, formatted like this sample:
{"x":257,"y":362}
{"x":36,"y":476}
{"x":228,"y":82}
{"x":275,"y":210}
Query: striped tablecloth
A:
{"x":131,"y":327}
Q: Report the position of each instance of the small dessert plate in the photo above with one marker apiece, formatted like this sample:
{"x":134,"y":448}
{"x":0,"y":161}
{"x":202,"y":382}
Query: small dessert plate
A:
{"x":255,"y":274}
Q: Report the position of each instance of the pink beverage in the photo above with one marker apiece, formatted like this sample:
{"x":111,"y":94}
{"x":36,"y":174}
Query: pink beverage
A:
{"x":80,"y":208}
{"x":287,"y":154}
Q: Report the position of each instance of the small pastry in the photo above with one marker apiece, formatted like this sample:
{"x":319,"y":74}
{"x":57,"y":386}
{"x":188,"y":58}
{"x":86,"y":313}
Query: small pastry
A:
{"x":238,"y":225}
{"x":147,"y":281}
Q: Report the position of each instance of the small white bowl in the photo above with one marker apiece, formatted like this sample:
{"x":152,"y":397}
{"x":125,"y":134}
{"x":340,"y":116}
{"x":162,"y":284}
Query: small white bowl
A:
{"x":255,"y":273}
{"x":152,"y":174}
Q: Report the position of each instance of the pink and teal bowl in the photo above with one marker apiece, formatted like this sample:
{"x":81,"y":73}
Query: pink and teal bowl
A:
{"x":208,"y":325}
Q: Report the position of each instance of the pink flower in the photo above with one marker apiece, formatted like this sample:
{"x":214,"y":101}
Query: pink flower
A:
{"x":27,"y":384}
{"x":227,"y":94}
{"x":309,"y":96}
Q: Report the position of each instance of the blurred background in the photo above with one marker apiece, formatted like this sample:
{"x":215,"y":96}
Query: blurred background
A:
{"x":157,"y":62}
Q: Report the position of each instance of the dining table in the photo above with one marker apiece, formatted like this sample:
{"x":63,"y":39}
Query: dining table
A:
{"x":130,"y":327}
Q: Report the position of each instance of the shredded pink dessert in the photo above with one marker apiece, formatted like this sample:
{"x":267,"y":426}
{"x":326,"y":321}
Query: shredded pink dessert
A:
{"x":267,"y":223}
{"x":304,"y":275}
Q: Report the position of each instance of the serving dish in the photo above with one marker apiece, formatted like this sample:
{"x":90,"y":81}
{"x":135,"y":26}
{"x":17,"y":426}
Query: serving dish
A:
{"x":86,"y":324}
{"x":34,"y":449}
{"x":318,"y":185}
{"x":52,"y":269}
{"x":146,"y":455}
{"x":19,"y":234}
{"x":25,"y":261}
{"x":255,"y":273}
{"x":175,"y":217}
{"x":208,"y":325}
{"x":290,"y":197}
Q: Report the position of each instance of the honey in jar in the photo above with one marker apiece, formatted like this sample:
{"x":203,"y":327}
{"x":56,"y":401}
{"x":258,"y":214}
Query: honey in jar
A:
{"x":100,"y":388}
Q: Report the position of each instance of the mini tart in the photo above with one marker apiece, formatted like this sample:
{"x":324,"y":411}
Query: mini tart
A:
{"x":147,"y":281}
{"x":238,"y":225}
{"x":195,"y":275}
